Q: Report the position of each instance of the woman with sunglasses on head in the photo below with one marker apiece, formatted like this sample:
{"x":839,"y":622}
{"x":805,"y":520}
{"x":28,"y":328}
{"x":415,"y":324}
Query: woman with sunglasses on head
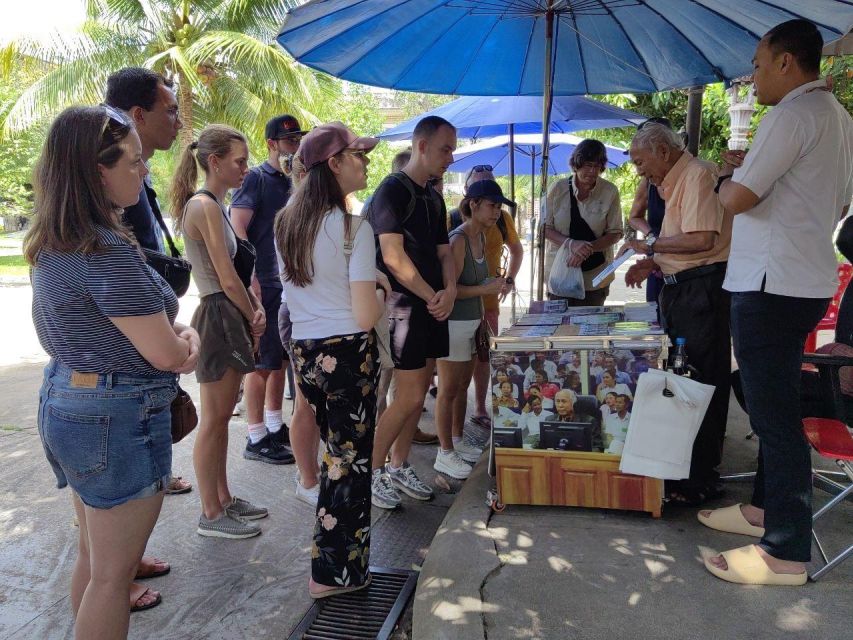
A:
{"x":583,"y":210}
{"x":107,"y":320}
{"x":481,"y":208}
{"x":330,"y":281}
{"x":229,"y":318}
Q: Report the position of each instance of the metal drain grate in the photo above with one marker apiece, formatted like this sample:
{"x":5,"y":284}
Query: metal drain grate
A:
{"x":369,"y":614}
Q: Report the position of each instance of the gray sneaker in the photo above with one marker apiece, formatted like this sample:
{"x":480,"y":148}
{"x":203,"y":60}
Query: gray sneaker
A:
{"x":244,"y":509}
{"x":227,"y":526}
{"x":383,"y":494}
{"x":406,"y":481}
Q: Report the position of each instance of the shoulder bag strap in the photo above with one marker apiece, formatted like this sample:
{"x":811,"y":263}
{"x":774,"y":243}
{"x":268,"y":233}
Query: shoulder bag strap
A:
{"x":158,"y":216}
{"x":349,"y":237}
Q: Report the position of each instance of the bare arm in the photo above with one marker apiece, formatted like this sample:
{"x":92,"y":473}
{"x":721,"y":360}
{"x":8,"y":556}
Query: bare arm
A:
{"x":442,"y":302}
{"x":736,"y":198}
{"x":637,"y":217}
{"x":401,"y":266}
{"x":158,"y":342}
{"x":682,"y":243}
{"x":607,"y":240}
{"x":366,"y":307}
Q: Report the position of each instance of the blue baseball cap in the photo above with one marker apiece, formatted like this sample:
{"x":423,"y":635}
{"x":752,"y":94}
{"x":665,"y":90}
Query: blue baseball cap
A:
{"x":488,"y":189}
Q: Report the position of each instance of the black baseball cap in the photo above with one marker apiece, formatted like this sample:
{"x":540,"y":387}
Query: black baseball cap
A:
{"x":281,"y":127}
{"x":488,"y":189}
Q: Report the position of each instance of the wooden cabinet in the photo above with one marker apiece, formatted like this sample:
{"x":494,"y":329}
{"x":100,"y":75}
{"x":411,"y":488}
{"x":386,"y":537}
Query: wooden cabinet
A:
{"x":573,"y":479}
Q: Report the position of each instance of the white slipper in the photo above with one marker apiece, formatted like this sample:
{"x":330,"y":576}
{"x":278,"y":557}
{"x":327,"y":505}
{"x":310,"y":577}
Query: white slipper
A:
{"x":746,"y":566}
{"x":731,"y":520}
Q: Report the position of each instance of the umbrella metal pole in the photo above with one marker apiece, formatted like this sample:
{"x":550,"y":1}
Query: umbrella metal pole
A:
{"x":547,"y":99}
{"x":515,"y":216}
{"x":533,"y":229}
{"x":693,"y":125}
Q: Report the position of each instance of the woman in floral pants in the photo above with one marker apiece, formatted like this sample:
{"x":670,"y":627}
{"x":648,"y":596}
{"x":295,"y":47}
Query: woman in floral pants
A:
{"x":330,"y":280}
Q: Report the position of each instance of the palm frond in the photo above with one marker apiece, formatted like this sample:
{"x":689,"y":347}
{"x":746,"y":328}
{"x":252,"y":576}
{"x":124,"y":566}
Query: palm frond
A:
{"x":246,"y":16}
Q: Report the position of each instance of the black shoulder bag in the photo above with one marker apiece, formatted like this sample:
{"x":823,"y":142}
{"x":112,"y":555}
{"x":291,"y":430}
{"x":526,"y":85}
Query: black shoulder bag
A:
{"x":244,"y":259}
{"x":174,"y":269}
{"x":580,"y":230}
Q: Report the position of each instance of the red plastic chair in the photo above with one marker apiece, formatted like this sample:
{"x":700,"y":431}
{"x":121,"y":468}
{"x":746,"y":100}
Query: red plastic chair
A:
{"x":832,"y":440}
{"x":845,"y":272}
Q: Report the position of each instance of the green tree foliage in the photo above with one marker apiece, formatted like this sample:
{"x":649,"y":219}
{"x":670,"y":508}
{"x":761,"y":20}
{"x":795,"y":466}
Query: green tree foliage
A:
{"x":221,"y":53}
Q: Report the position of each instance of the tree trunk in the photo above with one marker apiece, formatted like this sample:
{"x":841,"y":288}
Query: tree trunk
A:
{"x":185,"y":104}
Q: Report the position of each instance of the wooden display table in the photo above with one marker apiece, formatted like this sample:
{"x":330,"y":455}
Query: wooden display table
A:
{"x":565,"y":478}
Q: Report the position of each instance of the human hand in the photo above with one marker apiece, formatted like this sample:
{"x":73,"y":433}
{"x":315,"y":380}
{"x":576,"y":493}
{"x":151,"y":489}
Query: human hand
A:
{"x":732,"y":159}
{"x":442,"y":304}
{"x":190,"y":336}
{"x":639,"y":272}
{"x":494,"y":286}
{"x":579,"y":250}
{"x":258,"y":323}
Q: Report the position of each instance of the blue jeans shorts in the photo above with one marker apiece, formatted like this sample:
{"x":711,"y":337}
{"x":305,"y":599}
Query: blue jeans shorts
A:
{"x":107,"y":435}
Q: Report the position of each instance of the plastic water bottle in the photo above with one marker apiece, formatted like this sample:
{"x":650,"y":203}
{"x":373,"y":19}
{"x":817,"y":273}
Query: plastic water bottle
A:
{"x":678,"y":358}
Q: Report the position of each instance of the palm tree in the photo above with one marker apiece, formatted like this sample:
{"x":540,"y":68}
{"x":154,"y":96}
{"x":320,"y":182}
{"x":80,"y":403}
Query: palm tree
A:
{"x":220,"y":53}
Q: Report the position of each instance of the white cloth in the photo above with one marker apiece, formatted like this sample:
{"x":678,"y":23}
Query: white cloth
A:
{"x":533,"y":422}
{"x":801,"y":166}
{"x":461,"y":340}
{"x":324,"y":307}
{"x":662,"y":429}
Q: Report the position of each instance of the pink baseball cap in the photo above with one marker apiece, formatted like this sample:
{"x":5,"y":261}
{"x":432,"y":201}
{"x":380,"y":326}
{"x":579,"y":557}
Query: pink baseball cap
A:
{"x":328,"y":140}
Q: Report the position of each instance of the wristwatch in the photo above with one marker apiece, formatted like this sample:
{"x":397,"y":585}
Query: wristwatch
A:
{"x":650,"y":240}
{"x":509,"y":281}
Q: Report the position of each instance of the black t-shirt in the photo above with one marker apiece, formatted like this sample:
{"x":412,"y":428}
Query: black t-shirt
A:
{"x":422,"y":232}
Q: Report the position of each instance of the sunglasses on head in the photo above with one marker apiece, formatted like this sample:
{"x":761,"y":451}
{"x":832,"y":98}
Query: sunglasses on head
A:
{"x":114,"y":122}
{"x":482,"y":168}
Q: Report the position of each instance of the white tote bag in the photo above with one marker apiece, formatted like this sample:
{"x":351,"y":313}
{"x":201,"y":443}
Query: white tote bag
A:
{"x":663,"y":426}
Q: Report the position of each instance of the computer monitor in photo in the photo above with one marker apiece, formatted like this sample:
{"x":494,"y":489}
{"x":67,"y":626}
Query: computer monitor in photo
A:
{"x":508,"y":437}
{"x":566,"y":436}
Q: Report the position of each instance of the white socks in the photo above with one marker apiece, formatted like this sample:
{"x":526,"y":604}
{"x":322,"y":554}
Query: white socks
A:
{"x":257,"y":432}
{"x":272,"y":420}
{"x":456,"y":440}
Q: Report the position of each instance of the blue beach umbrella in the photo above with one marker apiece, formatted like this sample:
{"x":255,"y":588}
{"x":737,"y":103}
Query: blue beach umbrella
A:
{"x":543,"y":47}
{"x":481,"y":117}
{"x":527,"y":149}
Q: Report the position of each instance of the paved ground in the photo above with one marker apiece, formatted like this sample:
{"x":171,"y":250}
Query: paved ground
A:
{"x":564,"y":573}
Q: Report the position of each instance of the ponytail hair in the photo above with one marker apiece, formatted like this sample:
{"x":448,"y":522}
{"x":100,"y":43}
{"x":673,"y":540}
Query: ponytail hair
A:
{"x":214,"y":139}
{"x":465,"y":207}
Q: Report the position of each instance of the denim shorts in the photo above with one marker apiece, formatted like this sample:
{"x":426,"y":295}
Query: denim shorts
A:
{"x":107,"y":435}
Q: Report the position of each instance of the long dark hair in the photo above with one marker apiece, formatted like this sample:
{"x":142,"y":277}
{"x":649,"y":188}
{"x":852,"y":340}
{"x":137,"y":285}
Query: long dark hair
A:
{"x":297,"y":225}
{"x":214,"y":139}
{"x":70,"y":198}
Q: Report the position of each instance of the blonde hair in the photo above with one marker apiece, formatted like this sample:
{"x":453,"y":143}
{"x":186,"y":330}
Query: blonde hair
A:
{"x":214,"y":139}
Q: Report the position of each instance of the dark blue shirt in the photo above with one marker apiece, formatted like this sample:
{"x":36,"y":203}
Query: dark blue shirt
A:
{"x":265,"y":191}
{"x":140,"y":219}
{"x":656,"y":208}
{"x":75,"y":295}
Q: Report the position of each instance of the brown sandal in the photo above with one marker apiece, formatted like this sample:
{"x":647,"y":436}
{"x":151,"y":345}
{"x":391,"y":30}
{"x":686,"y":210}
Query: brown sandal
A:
{"x":178,"y":485}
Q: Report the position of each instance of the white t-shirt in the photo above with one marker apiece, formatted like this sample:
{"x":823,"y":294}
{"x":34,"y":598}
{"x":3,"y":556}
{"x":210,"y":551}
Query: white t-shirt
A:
{"x":800,"y":165}
{"x":324,"y":307}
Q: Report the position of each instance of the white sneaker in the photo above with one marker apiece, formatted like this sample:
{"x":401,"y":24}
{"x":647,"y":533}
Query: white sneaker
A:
{"x":382,"y":492}
{"x":308,"y":496}
{"x":467,"y":452}
{"x":451,"y":464}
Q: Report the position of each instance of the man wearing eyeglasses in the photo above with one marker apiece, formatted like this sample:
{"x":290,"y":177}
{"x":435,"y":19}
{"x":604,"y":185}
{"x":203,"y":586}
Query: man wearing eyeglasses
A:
{"x":500,"y":235}
{"x":265,"y":190}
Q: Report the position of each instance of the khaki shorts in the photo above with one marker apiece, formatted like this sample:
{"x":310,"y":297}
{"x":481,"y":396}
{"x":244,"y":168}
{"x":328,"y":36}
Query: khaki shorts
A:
{"x":225,"y":339}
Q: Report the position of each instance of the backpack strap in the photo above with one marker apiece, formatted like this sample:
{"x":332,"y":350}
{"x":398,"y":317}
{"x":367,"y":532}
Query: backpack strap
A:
{"x":349,"y":236}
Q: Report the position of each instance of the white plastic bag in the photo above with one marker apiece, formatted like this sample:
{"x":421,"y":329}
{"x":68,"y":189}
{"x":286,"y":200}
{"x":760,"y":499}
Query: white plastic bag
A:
{"x":565,"y":281}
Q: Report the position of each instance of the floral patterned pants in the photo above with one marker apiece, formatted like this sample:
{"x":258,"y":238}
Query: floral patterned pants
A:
{"x":338,"y":377}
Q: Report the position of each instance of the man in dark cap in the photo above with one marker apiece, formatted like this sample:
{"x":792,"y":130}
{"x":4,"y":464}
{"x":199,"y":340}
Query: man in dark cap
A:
{"x":265,"y":190}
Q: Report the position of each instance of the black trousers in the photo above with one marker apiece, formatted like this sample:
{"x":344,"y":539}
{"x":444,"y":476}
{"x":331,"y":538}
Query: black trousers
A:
{"x":698,"y":311}
{"x":769,"y":332}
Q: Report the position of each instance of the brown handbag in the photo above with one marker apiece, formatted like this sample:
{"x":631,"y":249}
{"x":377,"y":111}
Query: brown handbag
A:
{"x":184,"y":416}
{"x":481,"y":340}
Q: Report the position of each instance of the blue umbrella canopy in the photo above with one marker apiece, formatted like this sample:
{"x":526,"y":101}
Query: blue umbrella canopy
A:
{"x":497,"y":47}
{"x":528,"y":150}
{"x":489,"y":116}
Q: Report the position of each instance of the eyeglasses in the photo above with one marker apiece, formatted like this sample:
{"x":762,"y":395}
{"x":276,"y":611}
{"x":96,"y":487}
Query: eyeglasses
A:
{"x":295,"y":138}
{"x":361,"y":155}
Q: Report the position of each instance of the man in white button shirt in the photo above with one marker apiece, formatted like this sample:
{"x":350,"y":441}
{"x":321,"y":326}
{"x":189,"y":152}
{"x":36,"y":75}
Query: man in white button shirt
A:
{"x":790,"y":192}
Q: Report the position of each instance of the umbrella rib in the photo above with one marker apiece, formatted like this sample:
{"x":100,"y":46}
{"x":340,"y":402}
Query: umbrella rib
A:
{"x":580,"y":53}
{"x":627,"y":64}
{"x":474,"y":56}
{"x":317,"y":19}
{"x":526,"y":58}
{"x":727,"y":19}
{"x":718,"y":72}
{"x":799,"y":15}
